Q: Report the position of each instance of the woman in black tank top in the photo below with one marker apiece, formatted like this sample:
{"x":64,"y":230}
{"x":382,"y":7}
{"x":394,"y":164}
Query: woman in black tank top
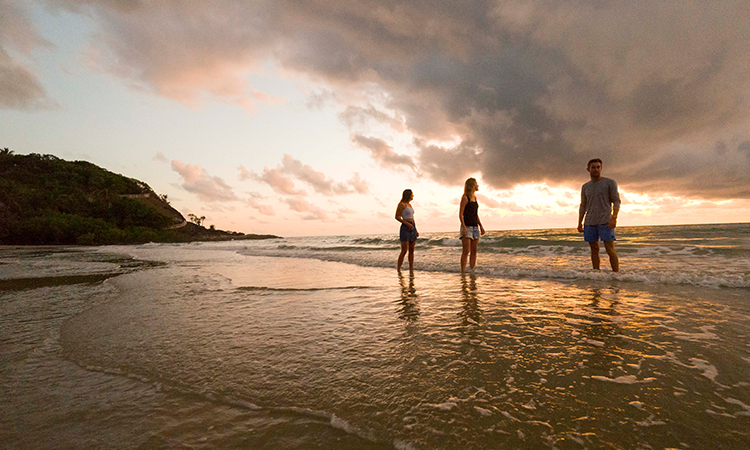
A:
{"x":471,"y":226}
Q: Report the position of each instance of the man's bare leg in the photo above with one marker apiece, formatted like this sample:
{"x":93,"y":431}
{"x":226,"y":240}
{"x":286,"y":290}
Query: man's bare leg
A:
{"x":609,"y":246}
{"x":595,"y":254}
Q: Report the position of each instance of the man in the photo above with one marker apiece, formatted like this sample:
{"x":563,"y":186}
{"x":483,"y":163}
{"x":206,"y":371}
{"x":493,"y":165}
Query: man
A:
{"x":600,"y":204}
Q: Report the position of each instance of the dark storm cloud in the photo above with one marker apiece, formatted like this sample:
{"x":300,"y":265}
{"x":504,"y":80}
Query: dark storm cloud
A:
{"x":680,"y":166}
{"x":530,"y":89}
{"x":448,"y":166}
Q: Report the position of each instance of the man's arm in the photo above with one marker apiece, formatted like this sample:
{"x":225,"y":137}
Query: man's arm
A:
{"x":613,"y":218}
{"x":614,"y":197}
{"x":581,"y":211}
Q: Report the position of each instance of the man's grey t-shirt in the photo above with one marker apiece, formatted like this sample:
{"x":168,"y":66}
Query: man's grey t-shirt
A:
{"x":597,"y":198}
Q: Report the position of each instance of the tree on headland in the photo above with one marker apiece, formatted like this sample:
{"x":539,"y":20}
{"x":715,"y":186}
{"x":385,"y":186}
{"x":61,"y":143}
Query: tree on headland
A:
{"x":47,"y":200}
{"x":196,"y":220}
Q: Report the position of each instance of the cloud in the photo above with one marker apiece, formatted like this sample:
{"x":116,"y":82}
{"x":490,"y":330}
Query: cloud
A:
{"x":356,"y":115}
{"x":159,"y":156}
{"x":197,"y":181}
{"x":449,"y":166}
{"x":318,"y":180}
{"x":281,"y":183}
{"x":185,"y":51}
{"x":312,"y":212}
{"x":512,"y":207}
{"x":342,"y":212}
{"x":361,"y":186}
{"x":275,"y":178}
{"x":19,"y":86}
{"x":484,"y":200}
{"x":528,"y":89}
{"x":266,"y":210}
{"x":245,"y":174}
{"x":252,"y":200}
{"x":383,"y":153}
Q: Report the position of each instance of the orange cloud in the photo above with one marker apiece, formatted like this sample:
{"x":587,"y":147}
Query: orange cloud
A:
{"x":197,"y":181}
{"x":531,"y":88}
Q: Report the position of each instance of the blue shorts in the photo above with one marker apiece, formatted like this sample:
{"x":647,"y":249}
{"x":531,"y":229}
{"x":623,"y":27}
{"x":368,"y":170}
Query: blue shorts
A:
{"x":472,"y":232}
{"x":592,"y":233}
{"x":408,"y":234}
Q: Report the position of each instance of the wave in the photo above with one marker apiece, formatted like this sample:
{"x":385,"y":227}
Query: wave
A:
{"x":522,"y":246}
{"x":270,"y":289}
{"x":686,"y":278}
{"x":697,"y":255}
{"x":339,"y":248}
{"x":656,"y":266}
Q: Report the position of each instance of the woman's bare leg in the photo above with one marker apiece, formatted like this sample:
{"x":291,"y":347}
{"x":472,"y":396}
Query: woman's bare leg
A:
{"x":473,"y":259}
{"x":466,"y":243}
{"x":404,"y":248}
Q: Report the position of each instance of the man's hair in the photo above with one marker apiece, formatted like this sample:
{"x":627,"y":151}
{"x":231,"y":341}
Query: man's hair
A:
{"x":593,"y":161}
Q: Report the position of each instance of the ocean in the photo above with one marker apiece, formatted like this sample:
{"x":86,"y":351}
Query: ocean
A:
{"x":318,"y":342}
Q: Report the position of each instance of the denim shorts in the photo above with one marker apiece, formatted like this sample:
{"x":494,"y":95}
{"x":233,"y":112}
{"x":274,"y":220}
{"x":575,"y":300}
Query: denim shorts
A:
{"x":472,"y":232}
{"x":592,"y":233}
{"x":408,"y":234}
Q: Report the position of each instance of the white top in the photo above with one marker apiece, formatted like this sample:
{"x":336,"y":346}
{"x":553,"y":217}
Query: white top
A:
{"x":407,"y":213}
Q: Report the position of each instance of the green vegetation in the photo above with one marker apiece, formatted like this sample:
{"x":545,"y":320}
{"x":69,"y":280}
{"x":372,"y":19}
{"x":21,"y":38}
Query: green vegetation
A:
{"x":47,"y":200}
{"x":196,"y":220}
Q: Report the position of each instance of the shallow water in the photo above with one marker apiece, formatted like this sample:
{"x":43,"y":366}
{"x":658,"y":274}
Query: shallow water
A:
{"x":697,"y":255}
{"x":217,"y":347}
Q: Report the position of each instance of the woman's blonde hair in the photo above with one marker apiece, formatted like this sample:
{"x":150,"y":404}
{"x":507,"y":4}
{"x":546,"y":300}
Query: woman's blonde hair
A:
{"x":469,"y":186}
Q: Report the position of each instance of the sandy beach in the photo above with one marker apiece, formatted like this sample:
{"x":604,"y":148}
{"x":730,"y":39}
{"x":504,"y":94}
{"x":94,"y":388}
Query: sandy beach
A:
{"x":207,"y":346}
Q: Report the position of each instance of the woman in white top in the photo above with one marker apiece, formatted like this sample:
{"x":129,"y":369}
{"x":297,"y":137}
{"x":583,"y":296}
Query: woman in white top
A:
{"x":408,"y":233}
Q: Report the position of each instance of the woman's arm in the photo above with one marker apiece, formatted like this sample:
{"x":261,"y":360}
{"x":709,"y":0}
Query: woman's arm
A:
{"x":464,"y":202}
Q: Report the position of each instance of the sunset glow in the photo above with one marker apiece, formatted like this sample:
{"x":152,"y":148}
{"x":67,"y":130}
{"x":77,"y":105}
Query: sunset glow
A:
{"x":286,"y":118}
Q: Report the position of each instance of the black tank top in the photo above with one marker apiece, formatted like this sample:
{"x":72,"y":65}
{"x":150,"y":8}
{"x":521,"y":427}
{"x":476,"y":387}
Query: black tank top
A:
{"x":471,"y":216}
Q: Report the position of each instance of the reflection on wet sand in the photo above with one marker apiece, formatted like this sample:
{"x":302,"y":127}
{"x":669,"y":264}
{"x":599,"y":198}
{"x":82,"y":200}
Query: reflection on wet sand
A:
{"x":408,"y":304}
{"x":470,"y":295}
{"x":600,"y":325}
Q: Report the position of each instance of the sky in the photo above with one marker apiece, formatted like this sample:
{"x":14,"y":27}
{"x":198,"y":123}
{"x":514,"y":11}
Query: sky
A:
{"x":310,"y":117}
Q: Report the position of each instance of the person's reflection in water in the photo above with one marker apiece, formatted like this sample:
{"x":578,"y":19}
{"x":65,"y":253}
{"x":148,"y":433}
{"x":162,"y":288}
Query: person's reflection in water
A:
{"x":598,"y":301}
{"x":408,"y":308}
{"x":600,"y":326}
{"x":471,"y":312}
